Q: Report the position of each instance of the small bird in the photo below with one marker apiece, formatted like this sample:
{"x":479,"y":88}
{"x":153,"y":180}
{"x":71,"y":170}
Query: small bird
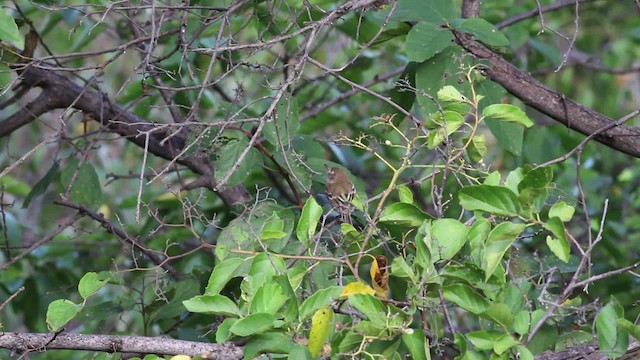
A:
{"x":341,"y":192}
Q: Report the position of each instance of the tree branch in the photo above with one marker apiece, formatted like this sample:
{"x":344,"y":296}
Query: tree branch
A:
{"x":60,"y":92}
{"x":559,"y":4}
{"x":551,"y":102}
{"x":26,"y":342}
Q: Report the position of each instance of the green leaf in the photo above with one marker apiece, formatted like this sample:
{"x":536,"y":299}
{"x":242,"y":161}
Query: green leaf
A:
{"x":241,"y":232}
{"x":269,"y":298}
{"x":41,"y":186}
{"x":562,"y":211}
{"x":450,"y":93}
{"x":285,"y":125}
{"x":426,"y":40}
{"x":493,"y":179}
{"x":448,"y":237}
{"x":406,"y":196}
{"x":572,"y":339}
{"x":252,"y":324}
{"x":497,"y":244}
{"x":273,"y":228}
{"x":504,"y":343}
{"x":271,"y":342}
{"x":482,"y":30}
{"x":351,"y":341}
{"x":629,"y":327}
{"x":559,"y":245}
{"x":514,"y":178}
{"x":222,"y":333}
{"x":497,"y":200}
{"x":228,"y":154}
{"x":537,"y":178}
{"x":430,"y":76}
{"x":9,"y":31}
{"x":507,"y":112}
{"x":321,"y":324}
{"x":461,"y":343}
{"x":311,"y":214}
{"x":465,"y":297}
{"x":290,"y":310}
{"x":60,"y":312}
{"x":296,"y":275}
{"x":452,"y":122}
{"x":532,"y":188}
{"x":477,"y":235}
{"x":525,"y":320}
{"x":500,"y":313}
{"x":370,"y":306}
{"x":14,"y":186}
{"x":612,"y":340}
{"x":90,"y":283}
{"x":400,"y":268}
{"x":433,"y":11}
{"x":522,"y":353}
{"x":263,"y":268}
{"x":85,"y":185}
{"x":221,"y":251}
{"x":221,"y":274}
{"x":299,"y":352}
{"x":212,"y":305}
{"x":417,"y":343}
{"x":484,"y":339}
{"x":322,"y":297}
{"x":423,"y":262}
{"x":477,"y":148}
{"x":403,"y":214}
{"x":509,"y":135}
{"x":466,"y":272}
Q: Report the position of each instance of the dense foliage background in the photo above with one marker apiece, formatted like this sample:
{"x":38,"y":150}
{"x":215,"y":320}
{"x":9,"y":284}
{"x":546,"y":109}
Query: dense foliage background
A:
{"x":163,"y":173}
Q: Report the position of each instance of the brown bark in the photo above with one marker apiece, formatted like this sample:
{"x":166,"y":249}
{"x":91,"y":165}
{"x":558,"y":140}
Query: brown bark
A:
{"x":34,"y":342}
{"x":59,"y":92}
{"x":551,"y":102}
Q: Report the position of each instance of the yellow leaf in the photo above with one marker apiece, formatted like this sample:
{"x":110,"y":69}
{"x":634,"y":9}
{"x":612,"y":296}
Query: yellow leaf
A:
{"x":380,"y":276}
{"x":320,"y":330}
{"x":356,"y":288}
{"x":181,"y":357}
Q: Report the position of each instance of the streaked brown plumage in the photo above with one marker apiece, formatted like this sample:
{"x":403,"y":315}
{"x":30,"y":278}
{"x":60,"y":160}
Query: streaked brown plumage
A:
{"x":341,"y":192}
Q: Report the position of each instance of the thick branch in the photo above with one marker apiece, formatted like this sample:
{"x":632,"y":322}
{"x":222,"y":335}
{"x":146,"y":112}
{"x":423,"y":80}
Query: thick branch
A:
{"x":60,"y":92}
{"x":45,"y":102}
{"x":470,"y":8}
{"x":551,"y":102}
{"x":24,"y":342}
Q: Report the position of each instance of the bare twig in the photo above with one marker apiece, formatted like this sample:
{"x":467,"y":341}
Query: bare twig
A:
{"x":559,"y":4}
{"x":61,"y":227}
{"x":11,"y":297}
{"x":151,"y":254}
